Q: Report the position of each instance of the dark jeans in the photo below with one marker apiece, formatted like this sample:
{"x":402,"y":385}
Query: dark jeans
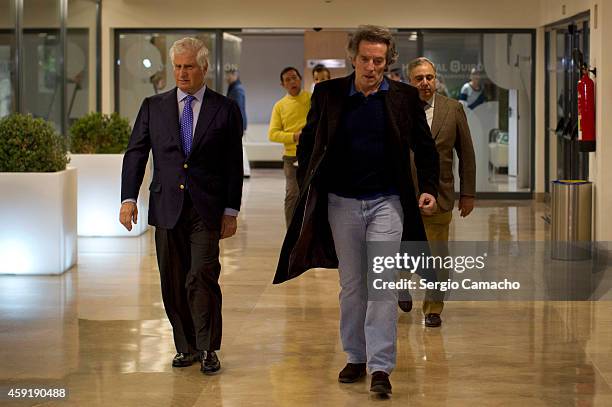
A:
{"x":188,"y":259}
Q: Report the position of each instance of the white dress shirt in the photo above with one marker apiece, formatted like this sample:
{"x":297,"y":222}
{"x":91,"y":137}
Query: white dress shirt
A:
{"x":429,"y":109}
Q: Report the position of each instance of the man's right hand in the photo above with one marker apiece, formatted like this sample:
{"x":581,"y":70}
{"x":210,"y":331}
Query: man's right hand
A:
{"x":296,"y":136}
{"x":127,"y":214}
{"x":427,"y":204}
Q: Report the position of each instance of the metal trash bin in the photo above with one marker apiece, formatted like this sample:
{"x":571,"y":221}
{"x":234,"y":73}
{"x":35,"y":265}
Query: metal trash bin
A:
{"x":571,"y":220}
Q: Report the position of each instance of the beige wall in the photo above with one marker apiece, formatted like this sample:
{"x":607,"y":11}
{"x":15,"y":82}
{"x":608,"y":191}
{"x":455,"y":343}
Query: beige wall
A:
{"x":41,"y":13}
{"x":324,"y":45}
{"x":317,"y":13}
{"x":556,"y":10}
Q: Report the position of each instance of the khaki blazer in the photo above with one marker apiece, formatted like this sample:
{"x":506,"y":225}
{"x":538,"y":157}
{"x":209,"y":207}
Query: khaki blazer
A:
{"x":450,"y":130}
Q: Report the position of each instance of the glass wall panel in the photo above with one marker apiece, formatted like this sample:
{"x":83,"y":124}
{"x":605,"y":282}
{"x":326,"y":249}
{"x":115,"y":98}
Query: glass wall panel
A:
{"x":81,"y":94}
{"x":42,"y":87}
{"x":408,"y":49}
{"x":144,"y":67}
{"x":8,"y":76}
{"x":491,"y":75}
{"x":261,"y":57}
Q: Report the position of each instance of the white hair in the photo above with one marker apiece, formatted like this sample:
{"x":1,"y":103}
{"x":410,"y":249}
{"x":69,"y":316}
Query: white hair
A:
{"x":190,"y":44}
{"x":418,"y":62}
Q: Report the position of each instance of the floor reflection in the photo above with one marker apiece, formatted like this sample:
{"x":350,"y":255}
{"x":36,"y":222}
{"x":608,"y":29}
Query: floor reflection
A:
{"x":101,"y":330}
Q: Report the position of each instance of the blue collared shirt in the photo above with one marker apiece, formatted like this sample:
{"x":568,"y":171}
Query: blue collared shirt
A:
{"x":384,"y":85}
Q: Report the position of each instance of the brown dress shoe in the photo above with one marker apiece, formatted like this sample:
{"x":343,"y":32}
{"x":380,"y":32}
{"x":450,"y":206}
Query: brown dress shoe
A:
{"x":352,"y":372}
{"x":380,"y":383}
{"x":433,"y":320}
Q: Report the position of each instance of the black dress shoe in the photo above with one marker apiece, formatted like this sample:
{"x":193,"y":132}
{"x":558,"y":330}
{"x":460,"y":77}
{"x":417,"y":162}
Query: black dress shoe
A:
{"x":352,"y":372}
{"x":405,"y":303}
{"x":185,"y":359}
{"x":210,"y":363}
{"x":433,"y":320}
{"x":380,"y":383}
{"x":405,"y":306}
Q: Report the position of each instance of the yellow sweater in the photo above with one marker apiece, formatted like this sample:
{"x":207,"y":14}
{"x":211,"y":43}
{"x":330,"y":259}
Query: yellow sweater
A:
{"x":288,"y":117}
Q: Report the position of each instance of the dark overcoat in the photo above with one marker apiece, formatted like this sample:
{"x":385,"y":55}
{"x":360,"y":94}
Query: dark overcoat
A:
{"x":309,"y":243}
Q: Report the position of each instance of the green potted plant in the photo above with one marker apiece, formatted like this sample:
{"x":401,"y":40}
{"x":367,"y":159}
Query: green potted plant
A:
{"x":97,"y":144}
{"x":98,"y":133}
{"x":38,"y":210}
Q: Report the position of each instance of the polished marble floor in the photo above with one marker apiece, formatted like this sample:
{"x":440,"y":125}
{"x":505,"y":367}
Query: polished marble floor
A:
{"x":101,"y":332}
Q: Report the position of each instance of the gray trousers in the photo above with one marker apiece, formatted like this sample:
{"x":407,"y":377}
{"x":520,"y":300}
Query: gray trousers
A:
{"x":368,"y":329}
{"x":188,"y":260}
{"x":292,"y":191}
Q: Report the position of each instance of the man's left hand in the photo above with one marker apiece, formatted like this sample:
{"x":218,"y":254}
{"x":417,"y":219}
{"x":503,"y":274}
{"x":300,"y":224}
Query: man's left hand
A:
{"x":229,"y":225}
{"x":427,"y":204}
{"x":466,"y":204}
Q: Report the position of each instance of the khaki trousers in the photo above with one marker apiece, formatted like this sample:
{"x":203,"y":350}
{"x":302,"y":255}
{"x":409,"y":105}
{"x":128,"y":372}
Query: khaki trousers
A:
{"x":436,"y":228}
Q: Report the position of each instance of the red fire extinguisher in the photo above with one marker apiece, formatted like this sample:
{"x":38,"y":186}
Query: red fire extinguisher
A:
{"x":586,"y":111}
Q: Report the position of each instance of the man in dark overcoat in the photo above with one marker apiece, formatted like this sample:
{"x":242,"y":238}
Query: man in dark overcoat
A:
{"x":356,"y":187}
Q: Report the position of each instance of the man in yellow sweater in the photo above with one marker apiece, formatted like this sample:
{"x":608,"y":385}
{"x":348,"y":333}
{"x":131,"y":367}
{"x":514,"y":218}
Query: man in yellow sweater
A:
{"x":286,"y":123}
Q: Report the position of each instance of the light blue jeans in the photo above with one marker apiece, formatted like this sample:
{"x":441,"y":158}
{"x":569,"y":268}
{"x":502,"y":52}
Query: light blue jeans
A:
{"x":368,"y":329}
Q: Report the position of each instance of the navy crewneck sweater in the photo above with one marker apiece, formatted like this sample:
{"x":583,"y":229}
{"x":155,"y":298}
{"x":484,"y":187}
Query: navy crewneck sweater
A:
{"x":359,"y":163}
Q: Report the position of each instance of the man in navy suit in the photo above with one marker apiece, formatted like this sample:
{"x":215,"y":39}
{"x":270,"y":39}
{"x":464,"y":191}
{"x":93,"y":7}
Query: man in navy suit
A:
{"x":195,"y":136}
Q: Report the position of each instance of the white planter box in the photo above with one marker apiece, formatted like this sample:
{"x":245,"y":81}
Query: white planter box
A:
{"x":100,"y":195}
{"x":38,"y":222}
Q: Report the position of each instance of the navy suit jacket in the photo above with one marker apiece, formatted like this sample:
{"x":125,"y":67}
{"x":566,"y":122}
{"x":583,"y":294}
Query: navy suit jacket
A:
{"x":211,"y":174}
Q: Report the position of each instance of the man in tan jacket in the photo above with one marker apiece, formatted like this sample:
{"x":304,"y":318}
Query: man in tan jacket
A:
{"x":450,"y":130}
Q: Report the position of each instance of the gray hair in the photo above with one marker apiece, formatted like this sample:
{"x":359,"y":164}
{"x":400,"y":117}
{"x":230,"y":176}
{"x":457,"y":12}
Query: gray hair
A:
{"x":190,"y":44}
{"x":418,"y":62}
{"x":376,"y":34}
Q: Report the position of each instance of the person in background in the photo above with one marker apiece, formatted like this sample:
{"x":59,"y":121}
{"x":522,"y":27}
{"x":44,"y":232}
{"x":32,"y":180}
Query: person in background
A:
{"x":451,"y":133}
{"x":286,"y":122}
{"x":320,"y":73}
{"x":395,"y":74}
{"x":472,"y":92}
{"x":235,"y":91}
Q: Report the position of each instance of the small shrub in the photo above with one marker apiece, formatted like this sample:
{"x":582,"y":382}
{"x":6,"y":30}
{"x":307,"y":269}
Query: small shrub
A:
{"x":98,"y":133}
{"x":30,"y":145}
